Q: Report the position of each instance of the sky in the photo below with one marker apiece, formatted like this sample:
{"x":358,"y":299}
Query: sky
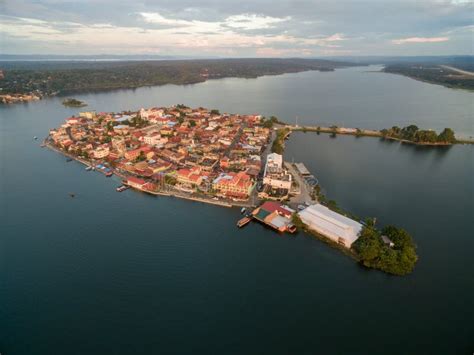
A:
{"x":243,"y":28}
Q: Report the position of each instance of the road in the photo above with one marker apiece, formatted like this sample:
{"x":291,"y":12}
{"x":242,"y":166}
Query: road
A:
{"x":305,"y":195}
{"x":460,"y":71}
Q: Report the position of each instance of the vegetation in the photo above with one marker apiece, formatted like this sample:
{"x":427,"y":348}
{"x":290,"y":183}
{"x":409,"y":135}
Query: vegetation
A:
{"x":73,"y":103}
{"x":49,"y":78}
{"x":435,"y":74}
{"x":413,"y":134}
{"x":278,"y":144}
{"x":170,"y":180}
{"x":297,"y":222}
{"x":374,"y":253}
{"x":268,"y":123}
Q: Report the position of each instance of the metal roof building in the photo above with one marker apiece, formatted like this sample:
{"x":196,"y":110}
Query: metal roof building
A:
{"x":330,"y":224}
{"x":302,"y":169}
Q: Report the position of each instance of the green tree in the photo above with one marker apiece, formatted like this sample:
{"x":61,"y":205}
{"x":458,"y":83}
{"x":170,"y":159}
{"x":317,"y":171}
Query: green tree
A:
{"x":447,"y":136}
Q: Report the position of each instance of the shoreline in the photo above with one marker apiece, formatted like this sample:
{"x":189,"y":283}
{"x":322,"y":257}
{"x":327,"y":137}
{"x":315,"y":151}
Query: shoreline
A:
{"x":371,"y":133}
{"x":154,"y":193}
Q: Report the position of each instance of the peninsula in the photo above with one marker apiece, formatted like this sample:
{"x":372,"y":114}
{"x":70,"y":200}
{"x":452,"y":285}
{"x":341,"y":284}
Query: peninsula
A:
{"x":228,"y":160}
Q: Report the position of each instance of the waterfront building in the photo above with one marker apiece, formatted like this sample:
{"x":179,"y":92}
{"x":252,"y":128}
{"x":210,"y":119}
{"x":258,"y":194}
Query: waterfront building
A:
{"x":274,"y":174}
{"x":330,"y":224}
{"x":190,"y":177}
{"x":101,"y":152}
{"x":275,"y":215}
{"x":88,"y":114}
{"x":235,"y":185}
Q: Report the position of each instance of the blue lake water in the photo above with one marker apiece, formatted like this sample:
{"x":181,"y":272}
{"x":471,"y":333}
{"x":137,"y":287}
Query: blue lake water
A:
{"x":126,"y":273}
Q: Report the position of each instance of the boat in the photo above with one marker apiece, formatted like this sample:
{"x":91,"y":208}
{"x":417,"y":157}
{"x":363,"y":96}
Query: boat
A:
{"x":122,"y":188}
{"x":89,"y":168}
{"x":291,"y":228}
{"x":35,"y":138}
{"x":109,"y":174}
{"x":243,"y":222}
{"x":69,"y":159}
{"x":72,"y":195}
{"x":243,"y":210}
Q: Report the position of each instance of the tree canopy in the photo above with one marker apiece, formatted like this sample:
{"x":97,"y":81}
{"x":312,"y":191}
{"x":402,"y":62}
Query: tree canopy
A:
{"x":373,"y":252}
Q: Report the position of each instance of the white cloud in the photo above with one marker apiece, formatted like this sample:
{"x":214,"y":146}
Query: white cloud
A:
{"x":420,"y":40}
{"x":253,"y":21}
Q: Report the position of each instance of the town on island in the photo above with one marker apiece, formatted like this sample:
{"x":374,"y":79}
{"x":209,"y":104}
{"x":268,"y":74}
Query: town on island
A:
{"x":229,"y":160}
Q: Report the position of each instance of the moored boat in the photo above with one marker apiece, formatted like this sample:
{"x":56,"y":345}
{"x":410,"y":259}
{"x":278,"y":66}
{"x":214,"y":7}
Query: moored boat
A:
{"x":122,"y":188}
{"x":243,"y":222}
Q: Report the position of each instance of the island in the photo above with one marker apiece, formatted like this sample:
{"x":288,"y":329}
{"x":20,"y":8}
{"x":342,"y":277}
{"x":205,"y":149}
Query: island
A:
{"x":70,"y":102}
{"x":224,"y":159}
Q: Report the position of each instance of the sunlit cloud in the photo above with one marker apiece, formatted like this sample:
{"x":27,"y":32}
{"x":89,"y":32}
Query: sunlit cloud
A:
{"x":420,"y":40}
{"x":253,"y":21}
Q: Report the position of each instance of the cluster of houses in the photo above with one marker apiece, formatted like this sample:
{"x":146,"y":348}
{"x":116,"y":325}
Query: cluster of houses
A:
{"x":194,"y":150}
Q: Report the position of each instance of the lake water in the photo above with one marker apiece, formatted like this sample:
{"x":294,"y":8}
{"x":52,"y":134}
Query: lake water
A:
{"x":126,"y":273}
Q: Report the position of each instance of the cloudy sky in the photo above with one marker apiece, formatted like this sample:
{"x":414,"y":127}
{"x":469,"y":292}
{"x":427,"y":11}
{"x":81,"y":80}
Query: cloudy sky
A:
{"x":243,"y":28}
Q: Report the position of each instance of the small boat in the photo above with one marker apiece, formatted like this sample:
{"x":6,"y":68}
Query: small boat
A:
{"x":72,"y":195}
{"x":35,"y":138}
{"x":109,"y":174}
{"x":42,"y":145}
{"x":69,"y":159}
{"x":244,"y":221}
{"x":122,"y":188}
{"x":89,"y":168}
{"x":291,"y":228}
{"x":242,"y":211}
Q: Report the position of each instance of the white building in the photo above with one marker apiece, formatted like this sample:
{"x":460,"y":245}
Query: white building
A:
{"x":101,"y":152}
{"x":274,"y":174}
{"x":153,"y":138}
{"x":146,"y":114}
{"x":330,"y":224}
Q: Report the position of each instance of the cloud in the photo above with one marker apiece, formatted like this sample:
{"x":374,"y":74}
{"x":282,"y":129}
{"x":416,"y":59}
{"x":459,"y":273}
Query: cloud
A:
{"x":253,"y":21}
{"x":420,"y":40}
{"x":238,"y":27}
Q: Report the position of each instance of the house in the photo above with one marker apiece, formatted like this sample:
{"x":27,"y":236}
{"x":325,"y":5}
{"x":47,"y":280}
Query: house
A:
{"x":189,"y":176}
{"x":276,"y":216}
{"x":235,"y":185}
{"x":330,"y":224}
{"x":135,"y":153}
{"x":135,"y":182}
{"x":101,"y":152}
{"x":387,"y":241}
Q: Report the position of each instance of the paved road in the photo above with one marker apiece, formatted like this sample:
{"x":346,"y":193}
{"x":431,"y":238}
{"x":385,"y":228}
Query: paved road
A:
{"x":460,"y":71}
{"x":305,"y":195}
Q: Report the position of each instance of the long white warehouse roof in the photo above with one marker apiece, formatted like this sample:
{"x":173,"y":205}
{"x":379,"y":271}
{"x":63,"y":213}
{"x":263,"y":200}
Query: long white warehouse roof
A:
{"x":330,"y":223}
